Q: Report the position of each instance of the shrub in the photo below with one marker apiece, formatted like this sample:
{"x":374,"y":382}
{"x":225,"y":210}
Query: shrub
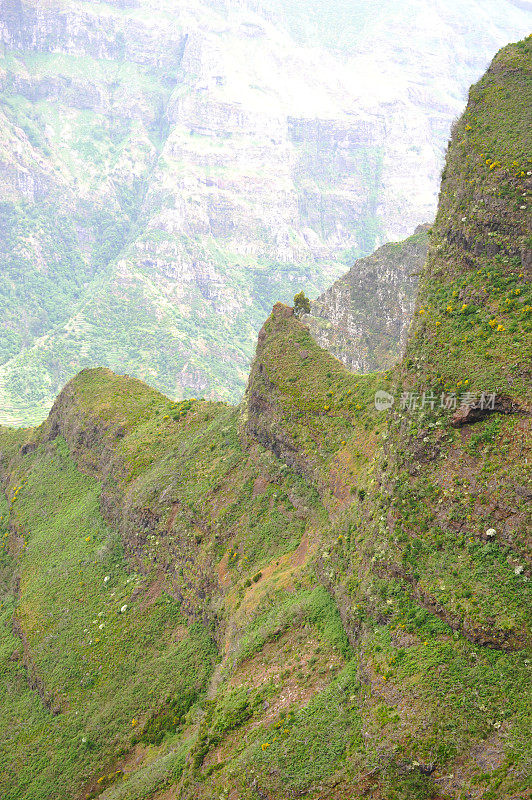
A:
{"x":301,"y":304}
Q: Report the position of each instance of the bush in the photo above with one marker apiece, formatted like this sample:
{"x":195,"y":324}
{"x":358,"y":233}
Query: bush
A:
{"x":168,"y":720}
{"x":301,"y":304}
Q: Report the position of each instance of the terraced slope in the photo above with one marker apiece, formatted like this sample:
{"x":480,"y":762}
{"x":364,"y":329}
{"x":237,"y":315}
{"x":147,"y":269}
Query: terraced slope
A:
{"x":197,"y":597}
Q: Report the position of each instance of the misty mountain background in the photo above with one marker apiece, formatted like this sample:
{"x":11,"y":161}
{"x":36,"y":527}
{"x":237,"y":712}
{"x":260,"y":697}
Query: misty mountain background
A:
{"x":169,"y":170}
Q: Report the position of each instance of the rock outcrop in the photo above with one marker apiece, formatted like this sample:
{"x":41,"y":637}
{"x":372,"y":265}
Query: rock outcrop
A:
{"x":364,"y":317}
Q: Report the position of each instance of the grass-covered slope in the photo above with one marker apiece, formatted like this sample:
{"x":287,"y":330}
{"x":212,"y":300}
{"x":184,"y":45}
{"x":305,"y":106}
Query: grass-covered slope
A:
{"x":438,"y":576}
{"x":87,"y":654}
{"x":309,"y":409}
{"x":202,"y":523}
{"x":474,"y":309}
{"x":303,"y":597}
{"x":472,"y":337}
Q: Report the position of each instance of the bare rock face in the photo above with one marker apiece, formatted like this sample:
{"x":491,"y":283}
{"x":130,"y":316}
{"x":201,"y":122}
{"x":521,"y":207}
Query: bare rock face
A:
{"x":473,"y":412}
{"x":363,"y":319}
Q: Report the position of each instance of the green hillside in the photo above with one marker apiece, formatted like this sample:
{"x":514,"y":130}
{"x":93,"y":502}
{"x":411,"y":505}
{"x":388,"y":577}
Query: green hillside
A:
{"x":303,"y":596}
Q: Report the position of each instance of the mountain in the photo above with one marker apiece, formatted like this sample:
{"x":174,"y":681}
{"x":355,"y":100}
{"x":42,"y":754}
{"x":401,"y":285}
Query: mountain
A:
{"x":169,"y":172}
{"x":363,"y":318}
{"x":310,"y":594}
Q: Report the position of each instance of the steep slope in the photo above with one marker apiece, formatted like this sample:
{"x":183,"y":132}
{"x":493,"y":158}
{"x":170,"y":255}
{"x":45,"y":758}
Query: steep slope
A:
{"x":217,"y":531}
{"x":196,"y":162}
{"x":364,"y":317}
{"x":447,"y":522}
{"x":192,"y":513}
{"x":341,"y":594}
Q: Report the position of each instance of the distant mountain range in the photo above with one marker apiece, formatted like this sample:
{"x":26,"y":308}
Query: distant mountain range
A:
{"x":170,"y":170}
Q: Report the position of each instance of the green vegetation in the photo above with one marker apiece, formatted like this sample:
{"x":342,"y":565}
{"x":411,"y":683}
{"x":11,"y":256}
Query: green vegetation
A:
{"x":45,"y":292}
{"x":326,"y":414}
{"x":313,"y":606}
{"x":83,"y":633}
{"x":301,"y":304}
{"x":292,"y":748}
{"x":473,"y":320}
{"x":302,"y":596}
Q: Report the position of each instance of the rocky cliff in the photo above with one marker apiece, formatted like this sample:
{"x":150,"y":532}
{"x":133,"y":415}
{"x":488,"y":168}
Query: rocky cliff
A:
{"x":364,"y":317}
{"x":195,"y":597}
{"x":167,"y":174}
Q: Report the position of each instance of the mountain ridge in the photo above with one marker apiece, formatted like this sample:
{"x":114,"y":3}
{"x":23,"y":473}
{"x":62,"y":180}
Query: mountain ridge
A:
{"x":308,"y":567}
{"x":364,"y":317}
{"x":187,"y":194}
